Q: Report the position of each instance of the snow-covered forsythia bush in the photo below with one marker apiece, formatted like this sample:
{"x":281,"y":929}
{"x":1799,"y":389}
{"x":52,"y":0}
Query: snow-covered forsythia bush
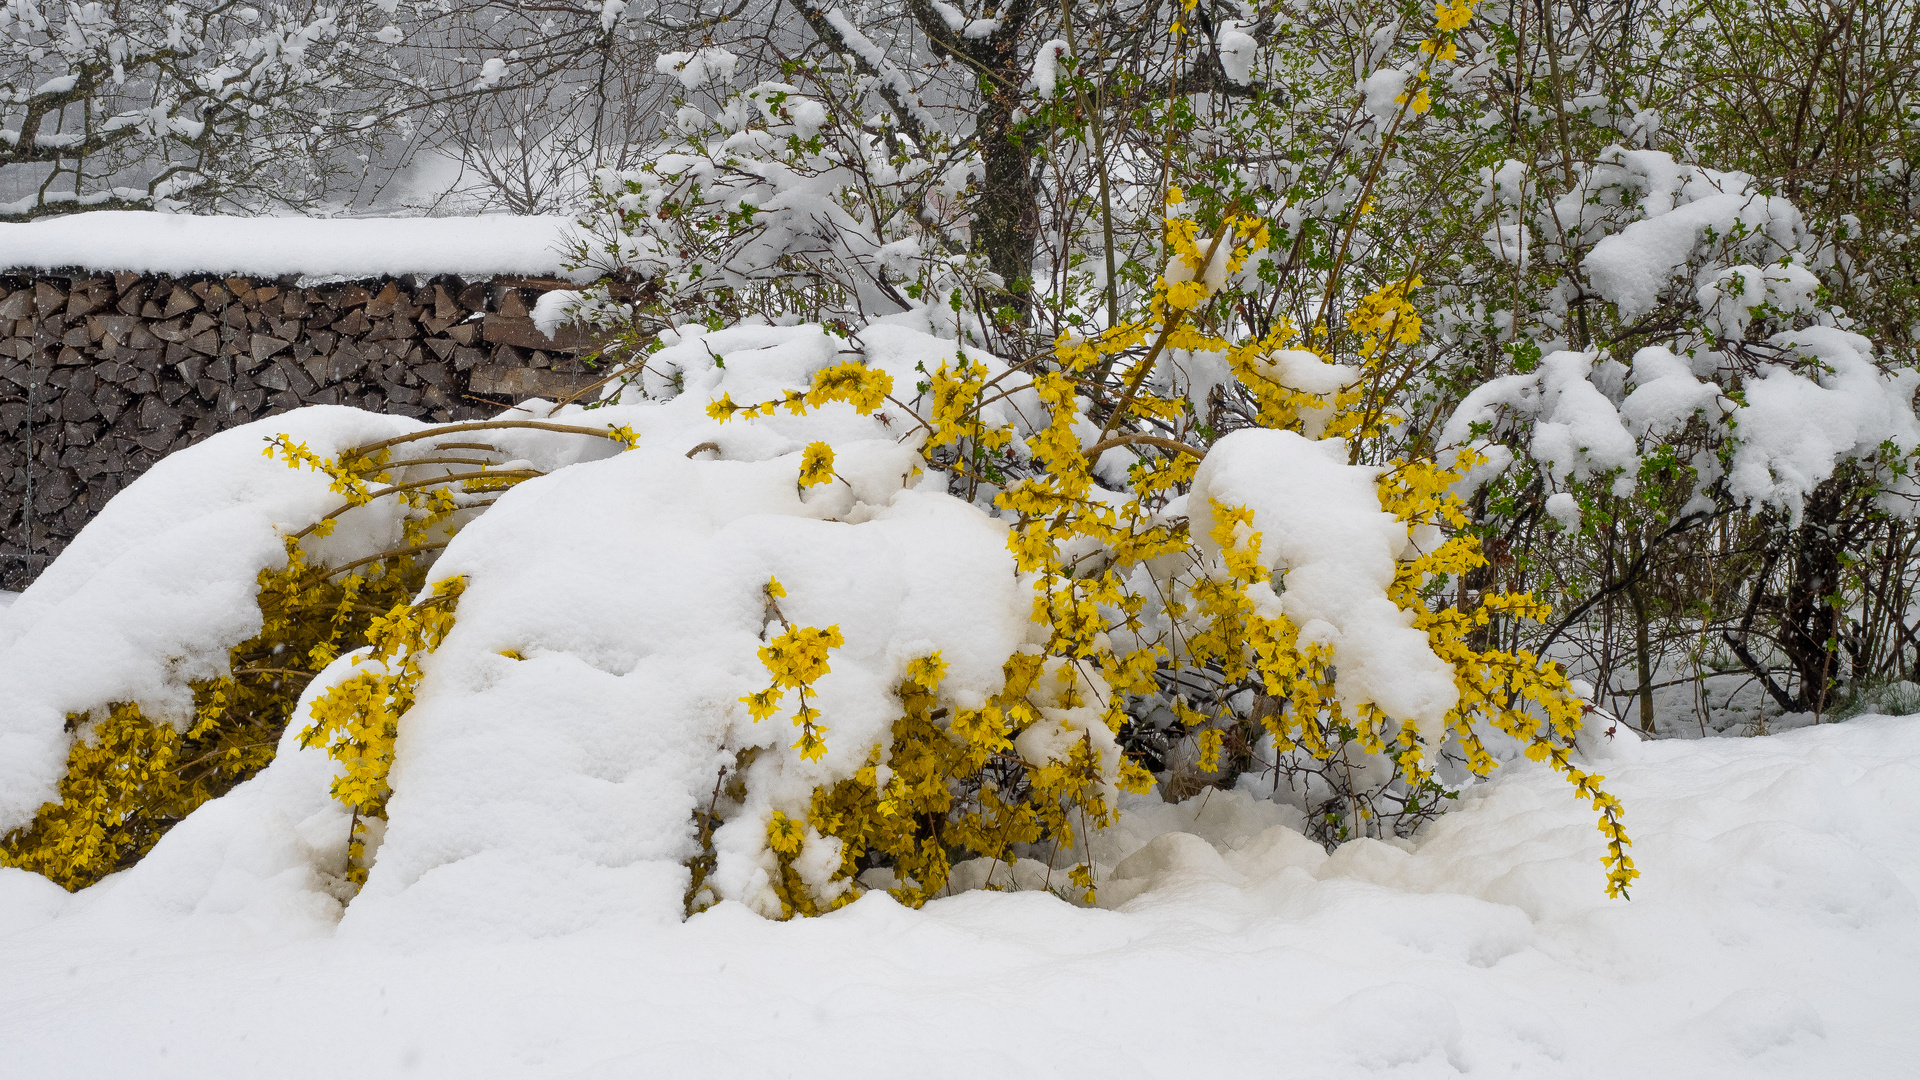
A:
{"x":129,"y":778}
{"x":1149,"y":575}
{"x":1147,"y":619}
{"x":1133,"y":595}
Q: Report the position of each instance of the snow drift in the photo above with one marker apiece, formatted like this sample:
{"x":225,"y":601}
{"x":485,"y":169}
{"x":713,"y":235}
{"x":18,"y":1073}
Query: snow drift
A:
{"x":1774,"y":935}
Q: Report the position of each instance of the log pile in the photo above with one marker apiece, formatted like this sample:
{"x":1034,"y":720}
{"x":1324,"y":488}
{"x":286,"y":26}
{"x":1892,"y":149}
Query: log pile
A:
{"x":101,"y":375}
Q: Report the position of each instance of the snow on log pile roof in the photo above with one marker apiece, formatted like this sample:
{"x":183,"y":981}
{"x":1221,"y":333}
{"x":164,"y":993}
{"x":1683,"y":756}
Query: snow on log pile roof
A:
{"x":152,"y":243}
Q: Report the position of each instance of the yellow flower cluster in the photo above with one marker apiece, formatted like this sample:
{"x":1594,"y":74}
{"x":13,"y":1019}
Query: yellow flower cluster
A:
{"x":958,"y":394}
{"x":955,"y":390}
{"x":863,"y":387}
{"x":816,"y":465}
{"x":123,"y":780}
{"x":1449,"y":19}
{"x":1523,"y":695}
{"x":129,"y":778}
{"x":1241,"y":235}
{"x":1385,"y":318}
{"x":785,"y":835}
{"x":352,"y":476}
{"x":796,"y":659}
{"x":953,"y":783}
{"x":1381,"y":321}
{"x":358,"y":719}
{"x":1056,"y":507}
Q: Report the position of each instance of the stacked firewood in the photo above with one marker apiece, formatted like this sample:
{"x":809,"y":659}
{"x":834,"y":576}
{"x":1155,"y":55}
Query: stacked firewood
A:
{"x":102,"y":375}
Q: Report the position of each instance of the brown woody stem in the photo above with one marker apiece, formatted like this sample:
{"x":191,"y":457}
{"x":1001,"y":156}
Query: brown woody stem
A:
{"x":477,"y":425}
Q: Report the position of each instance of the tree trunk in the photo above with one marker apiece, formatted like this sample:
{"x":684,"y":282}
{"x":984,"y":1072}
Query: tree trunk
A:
{"x":1808,"y":631}
{"x":1643,"y":657}
{"x":1006,"y":212}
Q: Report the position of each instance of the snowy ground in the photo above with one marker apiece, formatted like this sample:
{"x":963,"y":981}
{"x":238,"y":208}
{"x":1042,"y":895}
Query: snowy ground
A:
{"x":7,"y":599}
{"x":1775,"y":933}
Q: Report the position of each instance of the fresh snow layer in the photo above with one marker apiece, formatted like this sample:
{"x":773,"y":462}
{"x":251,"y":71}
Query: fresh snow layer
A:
{"x":1789,"y":431}
{"x":1775,"y":934}
{"x":152,"y":243}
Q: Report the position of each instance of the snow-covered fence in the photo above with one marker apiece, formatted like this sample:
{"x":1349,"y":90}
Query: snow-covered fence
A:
{"x":125,"y":336}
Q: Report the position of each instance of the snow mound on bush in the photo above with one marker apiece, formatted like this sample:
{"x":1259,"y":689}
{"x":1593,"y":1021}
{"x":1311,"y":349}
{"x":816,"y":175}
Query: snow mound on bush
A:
{"x":163,"y":582}
{"x":158,"y":586}
{"x":552,"y":792}
{"x":1320,"y":521}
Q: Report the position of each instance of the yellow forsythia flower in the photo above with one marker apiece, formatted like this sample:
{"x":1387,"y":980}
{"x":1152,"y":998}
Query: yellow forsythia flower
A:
{"x":784,"y":834}
{"x":816,"y":465}
{"x":1212,"y":746}
{"x":795,"y":659}
{"x":1451,"y":17}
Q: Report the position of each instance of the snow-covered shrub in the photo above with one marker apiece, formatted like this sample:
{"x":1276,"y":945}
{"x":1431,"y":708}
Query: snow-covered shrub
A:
{"x":972,"y":706}
{"x":774,"y":204}
{"x":129,"y":778}
{"x":1731,"y":388}
{"x":1141,"y":609}
{"x":189,"y":727}
{"x":1664,"y":323}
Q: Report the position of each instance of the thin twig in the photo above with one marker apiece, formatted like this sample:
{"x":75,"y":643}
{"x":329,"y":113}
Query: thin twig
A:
{"x":1104,"y":445}
{"x":415,"y":485}
{"x":476,"y":425}
{"x":393,"y":554}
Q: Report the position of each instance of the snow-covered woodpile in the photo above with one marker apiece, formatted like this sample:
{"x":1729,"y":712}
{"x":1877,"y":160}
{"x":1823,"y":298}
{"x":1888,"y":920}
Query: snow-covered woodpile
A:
{"x":101,"y":374}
